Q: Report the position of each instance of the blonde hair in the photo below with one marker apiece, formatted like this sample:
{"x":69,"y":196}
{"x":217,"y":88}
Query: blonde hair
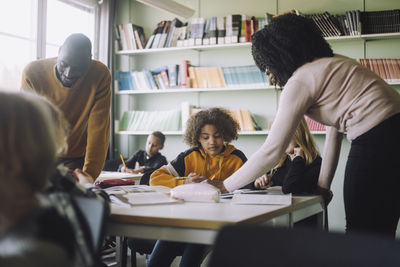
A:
{"x":28,"y":136}
{"x":303,"y":138}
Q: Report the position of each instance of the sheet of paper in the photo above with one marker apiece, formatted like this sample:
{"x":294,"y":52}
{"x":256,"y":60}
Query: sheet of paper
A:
{"x":147,"y":198}
{"x":267,"y":198}
{"x":105,"y":175}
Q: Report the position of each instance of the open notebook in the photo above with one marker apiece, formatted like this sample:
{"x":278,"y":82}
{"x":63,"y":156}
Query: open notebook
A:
{"x":134,"y":195}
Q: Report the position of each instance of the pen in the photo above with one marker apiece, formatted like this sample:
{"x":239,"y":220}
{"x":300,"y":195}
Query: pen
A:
{"x":122,"y":158}
{"x":182,"y":177}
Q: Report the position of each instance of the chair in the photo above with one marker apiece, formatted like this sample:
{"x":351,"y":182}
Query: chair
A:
{"x":251,"y":245}
{"x":136,"y":245}
{"x":93,"y":214}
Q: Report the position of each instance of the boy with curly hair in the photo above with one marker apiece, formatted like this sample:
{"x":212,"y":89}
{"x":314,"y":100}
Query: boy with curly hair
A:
{"x":210,"y":157}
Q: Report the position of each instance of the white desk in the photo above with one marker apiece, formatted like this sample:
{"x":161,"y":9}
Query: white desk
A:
{"x":199,"y":222}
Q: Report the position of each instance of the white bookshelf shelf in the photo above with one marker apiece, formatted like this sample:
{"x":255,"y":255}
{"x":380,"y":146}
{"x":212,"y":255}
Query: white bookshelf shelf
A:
{"x":196,"y":47}
{"x":193,"y":90}
{"x":248,"y":44}
{"x":374,"y":36}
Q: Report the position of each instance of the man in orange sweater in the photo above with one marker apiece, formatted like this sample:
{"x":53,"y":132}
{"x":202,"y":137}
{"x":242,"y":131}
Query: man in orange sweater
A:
{"x":80,"y":87}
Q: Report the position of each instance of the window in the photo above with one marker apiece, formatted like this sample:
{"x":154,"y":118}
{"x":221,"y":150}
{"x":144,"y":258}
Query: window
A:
{"x":60,"y":25}
{"x":27,"y":33}
{"x":18,"y":39}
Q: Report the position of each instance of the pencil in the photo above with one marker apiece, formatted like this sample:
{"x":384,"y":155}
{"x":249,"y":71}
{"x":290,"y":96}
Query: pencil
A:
{"x":180,"y":178}
{"x":123,"y":161}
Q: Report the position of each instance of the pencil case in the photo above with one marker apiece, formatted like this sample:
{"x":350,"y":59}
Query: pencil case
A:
{"x":113,"y":182}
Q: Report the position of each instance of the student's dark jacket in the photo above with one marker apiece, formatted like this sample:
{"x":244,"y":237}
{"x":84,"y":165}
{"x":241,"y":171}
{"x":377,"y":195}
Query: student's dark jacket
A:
{"x":149,"y":164}
{"x":297,"y":177}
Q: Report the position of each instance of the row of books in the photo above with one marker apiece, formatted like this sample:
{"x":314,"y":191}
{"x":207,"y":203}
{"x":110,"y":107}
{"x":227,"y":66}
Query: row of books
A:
{"x":198,"y":31}
{"x":185,"y":76}
{"x":356,"y":22}
{"x":387,"y":68}
{"x":129,"y":37}
{"x":175,"y":120}
{"x":314,"y":126}
{"x":140,"y":120}
{"x":239,"y":28}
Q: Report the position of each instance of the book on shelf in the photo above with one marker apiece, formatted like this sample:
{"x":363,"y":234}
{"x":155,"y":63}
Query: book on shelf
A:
{"x":244,"y":118}
{"x":173,"y":33}
{"x":221,"y":30}
{"x":387,"y":68}
{"x":186,"y":76}
{"x":314,"y":126}
{"x":150,"y":120}
{"x":158,"y":33}
{"x":164,"y":34}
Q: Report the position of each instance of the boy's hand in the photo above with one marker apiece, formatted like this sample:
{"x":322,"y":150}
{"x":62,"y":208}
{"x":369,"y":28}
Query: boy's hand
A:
{"x":128,"y":170}
{"x":194,"y":178}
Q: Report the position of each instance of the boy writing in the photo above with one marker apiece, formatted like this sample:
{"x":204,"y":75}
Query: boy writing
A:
{"x":148,"y":160}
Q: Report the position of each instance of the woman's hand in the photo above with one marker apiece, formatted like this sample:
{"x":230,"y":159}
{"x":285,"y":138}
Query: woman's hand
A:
{"x":218,"y":184}
{"x":326,"y":194}
{"x":263,"y":182}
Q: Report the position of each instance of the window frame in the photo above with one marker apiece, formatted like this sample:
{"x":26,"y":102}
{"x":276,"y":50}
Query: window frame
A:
{"x":42,"y":24}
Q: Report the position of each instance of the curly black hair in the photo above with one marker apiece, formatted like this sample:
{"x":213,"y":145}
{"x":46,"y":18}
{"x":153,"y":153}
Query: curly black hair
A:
{"x":219,"y":117}
{"x":286,"y":44}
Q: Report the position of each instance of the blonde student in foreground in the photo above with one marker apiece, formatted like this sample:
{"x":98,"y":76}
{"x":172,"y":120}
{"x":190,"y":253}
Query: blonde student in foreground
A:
{"x":211,"y":157}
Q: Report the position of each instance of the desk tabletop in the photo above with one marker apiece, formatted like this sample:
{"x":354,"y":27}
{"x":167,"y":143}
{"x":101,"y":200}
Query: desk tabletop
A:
{"x":204,"y":215}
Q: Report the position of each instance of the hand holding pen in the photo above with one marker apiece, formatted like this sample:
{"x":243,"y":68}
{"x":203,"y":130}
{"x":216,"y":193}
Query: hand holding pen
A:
{"x":194,"y":178}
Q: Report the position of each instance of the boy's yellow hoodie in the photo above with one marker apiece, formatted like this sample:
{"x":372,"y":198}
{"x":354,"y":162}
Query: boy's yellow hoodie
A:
{"x":196,"y":160}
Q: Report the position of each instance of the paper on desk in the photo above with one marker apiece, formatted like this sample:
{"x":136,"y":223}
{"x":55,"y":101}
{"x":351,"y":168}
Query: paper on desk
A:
{"x":118,"y":190}
{"x":266,"y":198}
{"x":105,"y":175}
{"x":147,"y":198}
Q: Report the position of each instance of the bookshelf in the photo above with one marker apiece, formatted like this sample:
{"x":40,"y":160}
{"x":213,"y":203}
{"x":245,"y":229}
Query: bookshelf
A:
{"x":130,"y":11}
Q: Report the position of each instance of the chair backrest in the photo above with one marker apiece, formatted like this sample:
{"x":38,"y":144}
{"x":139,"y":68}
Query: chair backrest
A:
{"x":94,"y":212}
{"x":250,"y":245}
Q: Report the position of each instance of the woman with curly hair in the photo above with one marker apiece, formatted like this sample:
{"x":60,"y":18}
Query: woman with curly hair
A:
{"x":210,"y":157}
{"x":343,"y":95}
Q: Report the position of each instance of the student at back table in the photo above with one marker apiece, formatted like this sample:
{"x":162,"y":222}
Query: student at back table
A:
{"x":148,"y":160}
{"x":211,"y":156}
